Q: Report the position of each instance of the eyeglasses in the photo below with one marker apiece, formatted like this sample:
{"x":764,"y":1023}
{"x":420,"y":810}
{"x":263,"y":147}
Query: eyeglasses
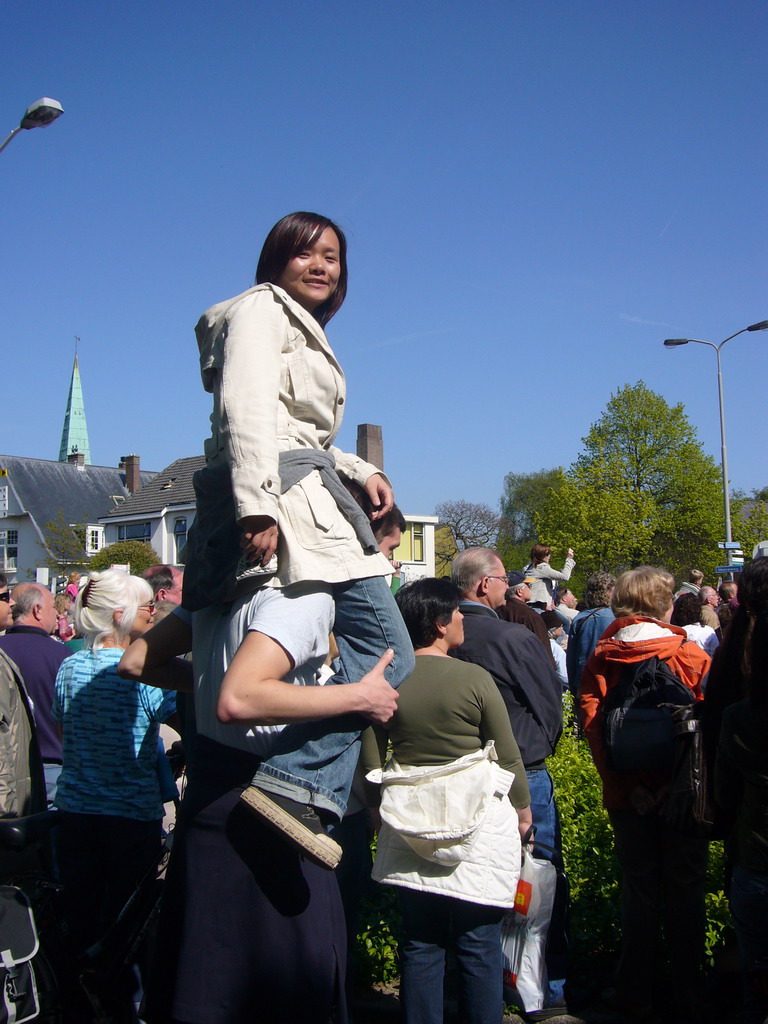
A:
{"x":6,"y":596}
{"x":150,"y":607}
{"x":498,"y":578}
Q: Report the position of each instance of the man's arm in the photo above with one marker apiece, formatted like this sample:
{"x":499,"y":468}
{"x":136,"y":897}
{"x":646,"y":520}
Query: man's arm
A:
{"x":154,"y":657}
{"x":253,"y":689}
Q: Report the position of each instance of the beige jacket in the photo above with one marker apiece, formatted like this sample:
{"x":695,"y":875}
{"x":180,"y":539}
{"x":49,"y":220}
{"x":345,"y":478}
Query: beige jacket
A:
{"x":277,"y":386}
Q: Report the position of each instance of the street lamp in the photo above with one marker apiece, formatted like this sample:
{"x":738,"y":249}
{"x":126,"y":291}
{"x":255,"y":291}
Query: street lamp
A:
{"x":40,"y":114}
{"x":673,"y":343}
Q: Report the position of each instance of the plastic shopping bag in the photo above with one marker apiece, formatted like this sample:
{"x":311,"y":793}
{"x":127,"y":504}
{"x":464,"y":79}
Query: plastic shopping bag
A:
{"x":524,"y":933}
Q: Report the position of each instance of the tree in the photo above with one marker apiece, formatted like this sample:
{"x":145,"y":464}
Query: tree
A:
{"x":64,"y":545}
{"x":136,"y":553}
{"x":750,"y":523}
{"x":471,"y":525}
{"x":642,"y":490}
{"x":525,"y":496}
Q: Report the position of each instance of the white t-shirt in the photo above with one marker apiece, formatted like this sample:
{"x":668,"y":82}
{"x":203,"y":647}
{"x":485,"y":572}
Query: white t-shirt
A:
{"x":299,"y":618}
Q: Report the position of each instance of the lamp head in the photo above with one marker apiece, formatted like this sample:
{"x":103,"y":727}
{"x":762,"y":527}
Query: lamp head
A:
{"x":674,"y":342}
{"x":41,"y":113}
{"x":762,"y":326}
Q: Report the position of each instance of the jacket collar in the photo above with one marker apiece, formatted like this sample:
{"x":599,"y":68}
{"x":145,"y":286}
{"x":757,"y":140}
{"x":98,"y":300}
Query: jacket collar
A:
{"x":26,"y":629}
{"x":473,"y":608}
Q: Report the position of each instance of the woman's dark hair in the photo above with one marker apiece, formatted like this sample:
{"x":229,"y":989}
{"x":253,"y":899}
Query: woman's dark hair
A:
{"x":687,"y":610}
{"x":424,"y":604}
{"x":732,"y":663}
{"x":758,"y":662}
{"x":292,"y":235}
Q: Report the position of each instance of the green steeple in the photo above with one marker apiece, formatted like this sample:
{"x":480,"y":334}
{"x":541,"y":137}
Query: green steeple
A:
{"x":74,"y":436}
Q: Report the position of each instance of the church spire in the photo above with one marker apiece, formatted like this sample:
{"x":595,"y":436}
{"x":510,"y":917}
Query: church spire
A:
{"x":74,"y":436}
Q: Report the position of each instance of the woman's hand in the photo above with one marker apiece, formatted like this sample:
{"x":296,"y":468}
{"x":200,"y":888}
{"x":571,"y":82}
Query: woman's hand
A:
{"x":570,"y":553}
{"x":259,"y":539}
{"x":524,"y":822}
{"x":381,"y":495}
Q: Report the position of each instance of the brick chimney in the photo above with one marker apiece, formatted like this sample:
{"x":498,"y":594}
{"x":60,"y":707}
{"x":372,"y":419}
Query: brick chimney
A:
{"x":132,"y":472}
{"x":77,"y":459}
{"x":370,"y":446}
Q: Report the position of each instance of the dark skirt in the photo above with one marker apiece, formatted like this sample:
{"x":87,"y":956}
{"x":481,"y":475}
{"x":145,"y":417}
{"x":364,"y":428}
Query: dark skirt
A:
{"x":250,"y":932}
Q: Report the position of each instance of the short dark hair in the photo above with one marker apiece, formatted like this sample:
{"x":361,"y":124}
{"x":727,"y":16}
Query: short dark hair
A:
{"x":3,"y":580}
{"x":424,"y":604}
{"x":159,"y":577}
{"x":687,"y":610}
{"x":288,"y":238}
{"x":393,"y":520}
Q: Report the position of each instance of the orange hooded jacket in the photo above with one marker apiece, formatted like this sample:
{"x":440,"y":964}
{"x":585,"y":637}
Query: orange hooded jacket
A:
{"x":602,"y":672}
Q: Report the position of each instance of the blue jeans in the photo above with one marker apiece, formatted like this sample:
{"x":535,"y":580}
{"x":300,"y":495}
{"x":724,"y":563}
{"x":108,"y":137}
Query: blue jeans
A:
{"x":749,"y":907}
{"x":431,"y":925}
{"x":313,"y":762}
{"x":548,"y":846}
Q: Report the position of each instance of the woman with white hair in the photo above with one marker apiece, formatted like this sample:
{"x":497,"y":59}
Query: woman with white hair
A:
{"x":108,"y":790}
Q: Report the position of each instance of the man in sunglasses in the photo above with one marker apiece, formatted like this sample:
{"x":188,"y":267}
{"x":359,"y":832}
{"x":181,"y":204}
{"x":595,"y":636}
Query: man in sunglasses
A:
{"x":5,"y":604}
{"x":29,"y":644}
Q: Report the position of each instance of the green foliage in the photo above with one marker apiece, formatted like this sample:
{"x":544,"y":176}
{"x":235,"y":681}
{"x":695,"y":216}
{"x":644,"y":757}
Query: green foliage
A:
{"x":590,"y":863}
{"x":642,"y":490}
{"x":136,"y":553}
{"x":64,"y":544}
{"x":523,"y":497}
{"x":376,"y":949}
{"x":750,"y":523}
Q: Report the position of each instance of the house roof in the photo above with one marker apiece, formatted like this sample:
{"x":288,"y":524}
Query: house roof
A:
{"x":172,"y":486}
{"x":83,"y":494}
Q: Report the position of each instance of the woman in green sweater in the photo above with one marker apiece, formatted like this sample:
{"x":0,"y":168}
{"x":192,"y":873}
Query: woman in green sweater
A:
{"x":455,"y":803}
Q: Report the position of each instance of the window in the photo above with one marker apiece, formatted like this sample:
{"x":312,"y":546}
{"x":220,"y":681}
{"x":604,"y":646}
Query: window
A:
{"x":9,"y":550}
{"x":94,"y":539}
{"x":411,"y":547}
{"x":135,"y":531}
{"x":179,"y":536}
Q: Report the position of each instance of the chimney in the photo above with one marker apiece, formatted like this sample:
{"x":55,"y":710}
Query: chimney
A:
{"x":370,"y":446}
{"x":77,"y":459}
{"x":132,"y":472}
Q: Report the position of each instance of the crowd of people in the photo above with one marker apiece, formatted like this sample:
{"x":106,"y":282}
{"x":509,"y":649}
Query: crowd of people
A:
{"x":298,"y":679}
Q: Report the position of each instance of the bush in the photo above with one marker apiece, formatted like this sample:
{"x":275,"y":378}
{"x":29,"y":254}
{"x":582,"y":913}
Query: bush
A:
{"x":136,"y":553}
{"x":593,"y":872}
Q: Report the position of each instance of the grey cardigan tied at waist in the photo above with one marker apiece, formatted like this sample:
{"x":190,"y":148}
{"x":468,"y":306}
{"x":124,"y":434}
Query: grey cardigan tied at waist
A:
{"x":214,"y":563}
{"x":299,"y":462}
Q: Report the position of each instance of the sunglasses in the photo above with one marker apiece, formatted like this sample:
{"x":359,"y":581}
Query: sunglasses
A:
{"x":6,"y":596}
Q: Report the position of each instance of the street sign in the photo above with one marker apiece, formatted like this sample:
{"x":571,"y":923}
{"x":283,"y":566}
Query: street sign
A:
{"x":732,"y":545}
{"x":721,"y":570}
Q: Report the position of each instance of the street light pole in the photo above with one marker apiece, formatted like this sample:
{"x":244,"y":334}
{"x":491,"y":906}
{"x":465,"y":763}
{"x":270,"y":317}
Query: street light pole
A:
{"x":39,"y":115}
{"x":674,"y":343}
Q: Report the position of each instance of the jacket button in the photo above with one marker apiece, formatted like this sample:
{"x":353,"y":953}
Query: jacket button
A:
{"x":341,"y":401}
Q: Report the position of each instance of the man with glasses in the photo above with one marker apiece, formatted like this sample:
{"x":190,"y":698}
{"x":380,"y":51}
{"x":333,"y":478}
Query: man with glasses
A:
{"x":29,"y":644}
{"x":515,"y":609}
{"x":525,"y":675}
{"x":5,"y":604}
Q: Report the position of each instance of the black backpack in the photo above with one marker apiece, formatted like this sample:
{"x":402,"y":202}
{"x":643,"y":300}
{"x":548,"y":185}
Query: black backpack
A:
{"x":638,"y":724}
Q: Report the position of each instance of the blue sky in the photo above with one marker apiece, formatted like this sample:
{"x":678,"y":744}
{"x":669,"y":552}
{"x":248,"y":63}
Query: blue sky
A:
{"x":535,"y":196}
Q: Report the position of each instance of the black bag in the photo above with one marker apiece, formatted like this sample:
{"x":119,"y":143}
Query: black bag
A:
{"x":18,"y":945}
{"x":637,"y":717}
{"x":688,"y":806}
